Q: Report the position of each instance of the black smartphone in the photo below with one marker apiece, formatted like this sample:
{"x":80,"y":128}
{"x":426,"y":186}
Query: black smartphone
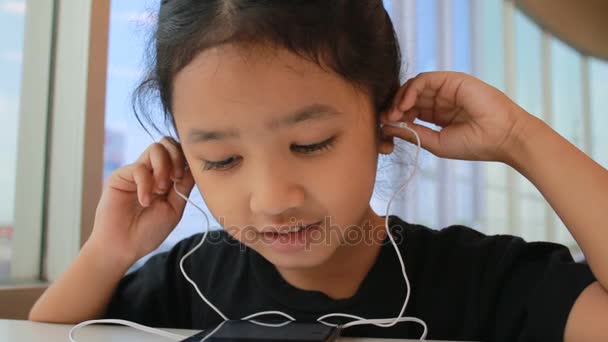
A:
{"x":246,"y":331}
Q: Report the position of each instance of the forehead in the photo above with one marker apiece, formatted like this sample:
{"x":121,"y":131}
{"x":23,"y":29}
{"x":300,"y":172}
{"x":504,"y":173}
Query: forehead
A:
{"x":228,"y":82}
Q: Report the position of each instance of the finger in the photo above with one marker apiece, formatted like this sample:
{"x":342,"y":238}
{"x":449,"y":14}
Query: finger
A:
{"x":408,"y":117}
{"x":394,"y":114}
{"x":184,"y":186}
{"x":411,"y":94}
{"x":424,"y":89}
{"x":144,"y":180}
{"x":161,"y":167}
{"x":177,"y":157}
{"x":411,"y":115}
{"x":429,"y":138}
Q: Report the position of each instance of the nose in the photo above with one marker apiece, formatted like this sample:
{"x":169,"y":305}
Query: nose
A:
{"x":275,"y":191}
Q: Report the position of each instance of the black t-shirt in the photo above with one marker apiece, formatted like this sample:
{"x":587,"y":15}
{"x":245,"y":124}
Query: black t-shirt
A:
{"x":464,"y":285}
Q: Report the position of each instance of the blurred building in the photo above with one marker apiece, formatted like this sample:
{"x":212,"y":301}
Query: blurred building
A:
{"x":113,"y":152}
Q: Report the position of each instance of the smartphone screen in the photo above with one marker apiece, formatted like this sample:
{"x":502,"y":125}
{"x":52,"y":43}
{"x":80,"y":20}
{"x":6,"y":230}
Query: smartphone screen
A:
{"x":237,"y":331}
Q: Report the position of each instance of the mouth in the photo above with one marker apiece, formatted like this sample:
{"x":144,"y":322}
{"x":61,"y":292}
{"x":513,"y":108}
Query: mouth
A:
{"x":288,"y":230}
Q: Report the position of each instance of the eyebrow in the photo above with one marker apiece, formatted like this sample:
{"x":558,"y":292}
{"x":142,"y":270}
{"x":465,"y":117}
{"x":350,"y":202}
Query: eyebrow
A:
{"x":308,"y":113}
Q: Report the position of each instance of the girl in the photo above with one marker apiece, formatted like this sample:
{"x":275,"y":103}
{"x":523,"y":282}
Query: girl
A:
{"x":278,"y":109}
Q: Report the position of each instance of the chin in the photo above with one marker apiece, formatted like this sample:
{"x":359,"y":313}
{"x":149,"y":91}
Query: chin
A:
{"x":308,"y":258}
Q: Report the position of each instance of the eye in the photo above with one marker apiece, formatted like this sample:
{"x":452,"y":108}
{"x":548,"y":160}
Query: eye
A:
{"x":229,"y":163}
{"x":220,"y":165}
{"x":324,"y":145}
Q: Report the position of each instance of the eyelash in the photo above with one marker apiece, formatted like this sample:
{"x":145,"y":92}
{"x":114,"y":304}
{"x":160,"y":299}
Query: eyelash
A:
{"x":225,"y":164}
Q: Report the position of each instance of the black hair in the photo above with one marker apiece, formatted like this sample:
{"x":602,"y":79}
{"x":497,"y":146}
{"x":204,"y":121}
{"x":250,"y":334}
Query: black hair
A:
{"x":353,"y":38}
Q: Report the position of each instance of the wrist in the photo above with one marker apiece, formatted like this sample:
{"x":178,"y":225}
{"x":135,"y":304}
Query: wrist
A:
{"x":522,"y":139}
{"x":105,"y":256}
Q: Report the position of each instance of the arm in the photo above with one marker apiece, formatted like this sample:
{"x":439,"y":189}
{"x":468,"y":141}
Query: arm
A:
{"x":134,"y":215}
{"x":84,"y":290}
{"x":576,"y":187}
{"x":481,"y":123}
{"x":588,"y":317}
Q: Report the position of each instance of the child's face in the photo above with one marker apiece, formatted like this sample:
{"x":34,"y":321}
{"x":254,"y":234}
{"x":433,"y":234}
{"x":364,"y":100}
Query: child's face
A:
{"x":265,"y":179}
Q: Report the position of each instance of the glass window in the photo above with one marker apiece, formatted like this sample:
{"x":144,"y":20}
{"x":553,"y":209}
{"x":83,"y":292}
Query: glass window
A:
{"x":490,"y":52}
{"x":12,"y":24}
{"x":528,"y":62}
{"x":598,"y":71}
{"x":427,"y":207}
{"x":463,"y":181}
{"x":495,"y":214}
{"x":427,"y":59}
{"x":567,"y":100}
{"x":489,"y":55}
{"x":427,"y":54}
{"x":426,"y":36}
{"x":529,"y":95}
{"x":461,"y":36}
{"x":390,"y":8}
{"x":532,"y":213}
{"x":563,"y":235}
{"x":465,"y":194}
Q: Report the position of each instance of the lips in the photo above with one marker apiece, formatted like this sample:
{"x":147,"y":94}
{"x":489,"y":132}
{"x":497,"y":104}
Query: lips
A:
{"x":283,"y":230}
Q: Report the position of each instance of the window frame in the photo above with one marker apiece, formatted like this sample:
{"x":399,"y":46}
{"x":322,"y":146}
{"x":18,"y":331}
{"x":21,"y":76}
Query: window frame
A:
{"x":32,"y":141}
{"x":62,"y":109}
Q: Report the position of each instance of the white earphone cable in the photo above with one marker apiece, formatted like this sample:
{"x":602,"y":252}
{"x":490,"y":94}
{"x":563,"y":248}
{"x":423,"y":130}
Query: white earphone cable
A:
{"x":380,"y":322}
{"x":172,"y":336}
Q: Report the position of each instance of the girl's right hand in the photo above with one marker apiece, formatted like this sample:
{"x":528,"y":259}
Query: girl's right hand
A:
{"x":139,"y":207}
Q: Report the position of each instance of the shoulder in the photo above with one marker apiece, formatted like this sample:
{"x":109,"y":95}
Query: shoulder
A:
{"x":517,"y":286}
{"x":513,"y":289}
{"x":464,"y":241}
{"x":460,"y":252}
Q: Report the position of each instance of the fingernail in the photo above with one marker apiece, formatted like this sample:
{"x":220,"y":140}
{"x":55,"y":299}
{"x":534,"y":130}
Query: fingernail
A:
{"x":395,"y":115}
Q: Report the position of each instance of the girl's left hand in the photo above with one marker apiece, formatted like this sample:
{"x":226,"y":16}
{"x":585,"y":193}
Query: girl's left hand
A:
{"x":478,"y":121}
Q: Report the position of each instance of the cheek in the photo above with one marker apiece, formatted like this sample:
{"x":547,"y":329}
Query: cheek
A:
{"x":221,"y":198}
{"x":349,"y":181}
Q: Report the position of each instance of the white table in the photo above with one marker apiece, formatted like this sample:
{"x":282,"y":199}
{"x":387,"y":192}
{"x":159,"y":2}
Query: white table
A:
{"x":26,"y":331}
